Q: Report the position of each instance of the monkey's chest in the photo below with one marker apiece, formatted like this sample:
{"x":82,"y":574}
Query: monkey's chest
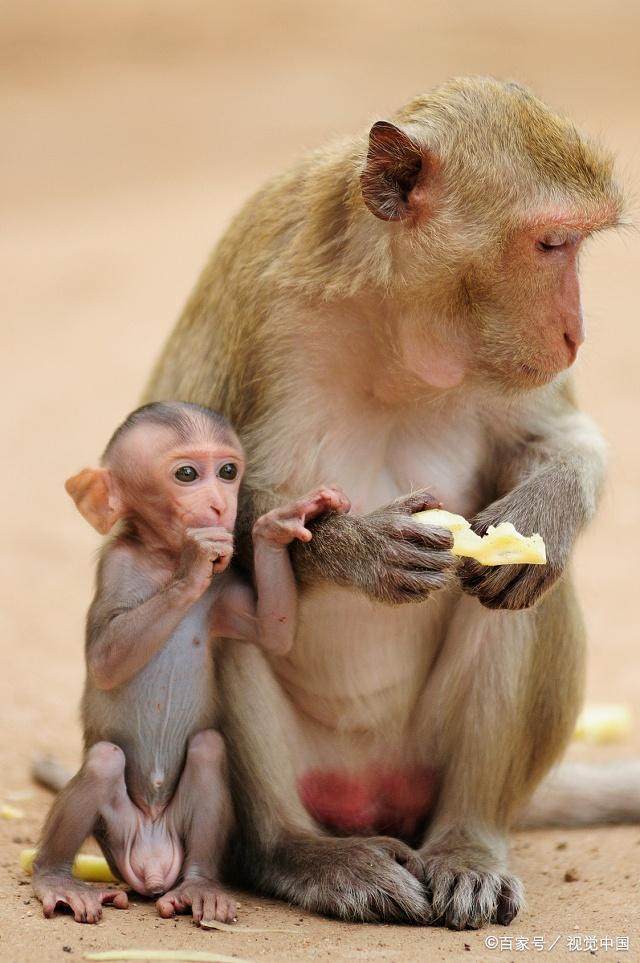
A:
{"x":377,"y":459}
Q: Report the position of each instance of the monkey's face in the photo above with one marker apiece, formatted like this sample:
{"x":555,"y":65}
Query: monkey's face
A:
{"x":486,"y":197}
{"x":526,"y":305}
{"x":180,"y":484}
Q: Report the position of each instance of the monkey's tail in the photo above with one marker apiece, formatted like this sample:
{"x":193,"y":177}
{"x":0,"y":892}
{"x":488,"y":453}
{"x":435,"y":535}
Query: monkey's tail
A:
{"x":585,"y":794}
{"x":50,"y":773}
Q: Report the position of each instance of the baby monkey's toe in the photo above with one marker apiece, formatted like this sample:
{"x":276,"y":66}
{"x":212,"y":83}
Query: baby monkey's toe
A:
{"x":83,"y":900}
{"x":206,"y":900}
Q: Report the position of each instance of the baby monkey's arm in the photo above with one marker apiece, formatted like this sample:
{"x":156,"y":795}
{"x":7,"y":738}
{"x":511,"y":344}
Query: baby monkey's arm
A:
{"x":136,"y":608}
{"x":268,"y":616}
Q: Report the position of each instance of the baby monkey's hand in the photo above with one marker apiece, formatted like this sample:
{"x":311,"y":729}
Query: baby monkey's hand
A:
{"x":284,"y":525}
{"x":205,"y":553}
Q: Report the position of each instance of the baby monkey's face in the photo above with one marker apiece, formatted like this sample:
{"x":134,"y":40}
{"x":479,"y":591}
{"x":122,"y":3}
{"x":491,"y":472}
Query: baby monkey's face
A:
{"x":174,"y":484}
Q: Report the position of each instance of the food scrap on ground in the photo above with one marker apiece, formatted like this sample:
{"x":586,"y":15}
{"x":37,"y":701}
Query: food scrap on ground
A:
{"x":601,"y":724}
{"x":10,"y":812}
{"x":86,"y":866}
{"x":232,"y":928}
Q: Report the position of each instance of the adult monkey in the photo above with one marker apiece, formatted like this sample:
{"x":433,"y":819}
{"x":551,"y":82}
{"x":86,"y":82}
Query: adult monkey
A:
{"x":390,"y":314}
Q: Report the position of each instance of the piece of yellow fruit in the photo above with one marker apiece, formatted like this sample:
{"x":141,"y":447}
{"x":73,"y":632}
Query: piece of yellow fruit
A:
{"x":502,"y":544}
{"x":599,"y":724}
{"x":10,"y":812}
{"x":86,"y":866}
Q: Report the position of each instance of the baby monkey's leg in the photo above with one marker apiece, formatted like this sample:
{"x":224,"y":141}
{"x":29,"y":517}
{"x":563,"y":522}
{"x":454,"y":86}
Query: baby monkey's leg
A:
{"x":201,"y":811}
{"x":72,"y":818}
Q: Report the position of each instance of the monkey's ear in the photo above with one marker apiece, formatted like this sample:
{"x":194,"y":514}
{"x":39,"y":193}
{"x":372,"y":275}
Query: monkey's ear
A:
{"x":96,"y":497}
{"x":394,"y":162}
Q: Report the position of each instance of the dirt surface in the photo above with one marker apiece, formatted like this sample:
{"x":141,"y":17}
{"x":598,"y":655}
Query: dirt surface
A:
{"x":131,"y":131}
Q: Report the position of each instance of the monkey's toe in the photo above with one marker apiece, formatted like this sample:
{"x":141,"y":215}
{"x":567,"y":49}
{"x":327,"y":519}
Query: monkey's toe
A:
{"x":204,"y":898}
{"x":354,"y":879}
{"x":469,"y":898}
{"x":81,"y":899}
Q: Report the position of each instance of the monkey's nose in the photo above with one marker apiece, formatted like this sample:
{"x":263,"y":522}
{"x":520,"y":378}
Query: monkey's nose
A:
{"x":573,"y":345}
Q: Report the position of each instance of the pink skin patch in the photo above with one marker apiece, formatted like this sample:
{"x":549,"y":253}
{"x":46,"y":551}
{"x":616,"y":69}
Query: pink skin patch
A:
{"x":388,"y":801}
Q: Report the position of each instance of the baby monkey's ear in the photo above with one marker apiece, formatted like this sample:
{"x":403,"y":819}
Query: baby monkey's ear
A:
{"x":96,"y":497}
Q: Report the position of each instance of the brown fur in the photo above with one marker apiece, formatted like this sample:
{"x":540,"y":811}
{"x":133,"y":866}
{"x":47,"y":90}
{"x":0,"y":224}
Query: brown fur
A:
{"x":410,"y":337}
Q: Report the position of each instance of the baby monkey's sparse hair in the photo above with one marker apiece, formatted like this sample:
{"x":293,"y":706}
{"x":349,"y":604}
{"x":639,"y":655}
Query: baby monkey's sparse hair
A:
{"x":183,"y":417}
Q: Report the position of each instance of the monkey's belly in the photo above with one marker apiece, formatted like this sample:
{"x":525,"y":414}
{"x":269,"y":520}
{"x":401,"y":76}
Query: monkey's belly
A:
{"x":357,"y":665}
{"x":153,"y":716}
{"x":374,"y":801}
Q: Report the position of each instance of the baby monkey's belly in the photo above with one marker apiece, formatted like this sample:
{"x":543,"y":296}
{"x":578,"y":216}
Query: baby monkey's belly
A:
{"x":377,"y":800}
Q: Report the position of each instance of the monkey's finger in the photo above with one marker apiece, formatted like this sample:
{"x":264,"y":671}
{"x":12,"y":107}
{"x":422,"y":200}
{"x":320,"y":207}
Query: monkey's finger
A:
{"x":308,"y":507}
{"x":165,"y":908}
{"x":210,"y":531}
{"x":329,"y":500}
{"x":490,"y":580}
{"x":210,"y":908}
{"x":227,"y":909}
{"x":509,"y":901}
{"x":49,"y":904}
{"x":420,"y":560}
{"x":115,"y":897}
{"x":297,"y":530}
{"x":432,"y":536}
{"x":524,"y":590}
{"x":420,"y":501}
{"x":216,"y":550}
{"x":284,"y":531}
{"x":77,"y":906}
{"x":93,"y":914}
{"x":196,"y":907}
{"x":410,"y":586}
{"x":407,"y":857}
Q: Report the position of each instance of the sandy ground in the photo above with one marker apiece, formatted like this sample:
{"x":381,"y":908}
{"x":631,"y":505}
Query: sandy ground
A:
{"x":131,"y":131}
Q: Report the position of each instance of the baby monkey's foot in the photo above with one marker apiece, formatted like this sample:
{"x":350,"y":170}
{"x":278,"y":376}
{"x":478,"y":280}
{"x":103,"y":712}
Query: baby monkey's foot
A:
{"x":84,"y":901}
{"x":206,"y":899}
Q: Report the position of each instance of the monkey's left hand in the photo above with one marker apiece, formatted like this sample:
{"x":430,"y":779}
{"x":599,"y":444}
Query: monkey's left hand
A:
{"x":283,"y":525}
{"x":517,"y":586}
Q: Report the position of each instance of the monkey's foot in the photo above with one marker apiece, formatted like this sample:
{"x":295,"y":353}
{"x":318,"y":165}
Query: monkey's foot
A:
{"x":465,"y":894}
{"x":206,"y":899}
{"x":84,"y":901}
{"x":363,"y":880}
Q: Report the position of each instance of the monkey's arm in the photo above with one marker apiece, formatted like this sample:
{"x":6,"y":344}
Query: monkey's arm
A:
{"x":548,"y":483}
{"x":272,"y":621}
{"x":131,"y":617}
{"x":266,"y":616}
{"x":384,"y":554}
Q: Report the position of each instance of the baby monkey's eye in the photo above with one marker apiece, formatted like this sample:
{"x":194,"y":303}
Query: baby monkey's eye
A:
{"x":186,"y":473}
{"x":228,"y":472}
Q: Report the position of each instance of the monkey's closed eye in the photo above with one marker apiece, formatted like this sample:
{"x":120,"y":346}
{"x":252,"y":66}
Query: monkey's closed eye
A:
{"x":550,"y":245}
{"x":186,"y":473}
{"x":228,"y":472}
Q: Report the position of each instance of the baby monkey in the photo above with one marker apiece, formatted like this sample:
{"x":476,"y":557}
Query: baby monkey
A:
{"x":153,"y":786}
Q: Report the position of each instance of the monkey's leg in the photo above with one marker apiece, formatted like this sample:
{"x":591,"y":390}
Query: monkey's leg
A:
{"x":281,"y":850}
{"x":71,"y":819}
{"x":201,"y":811}
{"x":503,"y":697}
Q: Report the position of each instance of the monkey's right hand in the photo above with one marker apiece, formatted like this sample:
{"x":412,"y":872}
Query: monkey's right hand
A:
{"x":384,"y":554}
{"x":205,"y":552}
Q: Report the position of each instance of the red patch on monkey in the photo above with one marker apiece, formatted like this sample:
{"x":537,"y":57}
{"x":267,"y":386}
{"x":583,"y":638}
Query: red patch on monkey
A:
{"x":390,"y":801}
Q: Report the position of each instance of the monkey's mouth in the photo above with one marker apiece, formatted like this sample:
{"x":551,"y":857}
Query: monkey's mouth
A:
{"x":536,"y":376}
